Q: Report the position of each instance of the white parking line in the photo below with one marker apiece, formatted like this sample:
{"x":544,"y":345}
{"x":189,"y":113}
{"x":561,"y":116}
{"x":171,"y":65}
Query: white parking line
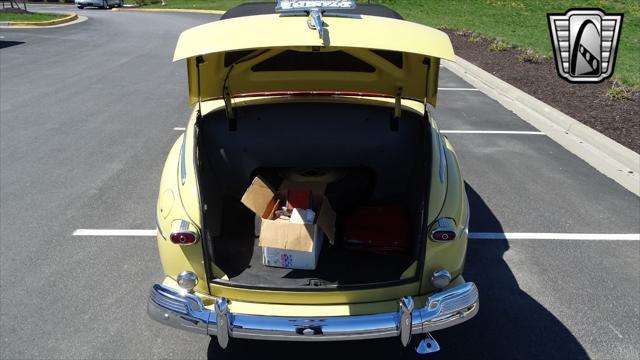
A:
{"x":491,"y":132}
{"x":461,"y":132}
{"x":472,"y":235}
{"x":551,"y":236}
{"x":114,"y":232}
{"x":457,"y":89}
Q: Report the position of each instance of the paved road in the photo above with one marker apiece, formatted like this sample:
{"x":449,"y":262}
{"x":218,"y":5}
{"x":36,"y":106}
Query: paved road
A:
{"x":86,"y":118}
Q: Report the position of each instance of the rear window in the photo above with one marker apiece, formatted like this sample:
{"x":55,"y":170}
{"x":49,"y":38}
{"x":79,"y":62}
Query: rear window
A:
{"x":291,"y":60}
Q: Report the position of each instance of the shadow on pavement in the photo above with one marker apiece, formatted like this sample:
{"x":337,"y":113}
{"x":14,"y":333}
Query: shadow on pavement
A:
{"x":510,"y":324}
{"x":6,"y":44}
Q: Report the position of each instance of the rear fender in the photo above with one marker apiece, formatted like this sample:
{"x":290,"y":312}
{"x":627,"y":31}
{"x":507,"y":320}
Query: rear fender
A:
{"x":446,"y":255}
{"x":176,"y":201}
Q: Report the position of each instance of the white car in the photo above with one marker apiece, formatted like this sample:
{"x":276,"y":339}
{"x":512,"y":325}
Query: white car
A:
{"x":104,"y":4}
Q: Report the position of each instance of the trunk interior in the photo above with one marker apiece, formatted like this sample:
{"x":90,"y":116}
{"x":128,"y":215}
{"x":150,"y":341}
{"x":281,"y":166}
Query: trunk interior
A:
{"x":350,"y":147}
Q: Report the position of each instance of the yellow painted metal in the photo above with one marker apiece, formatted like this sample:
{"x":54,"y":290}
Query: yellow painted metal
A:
{"x":316,"y":297}
{"x":422,"y":48}
{"x":258,"y":307}
{"x":184,"y":203}
{"x":272,"y":30}
{"x":177,"y":258}
{"x":304,"y":310}
{"x":447,"y":255}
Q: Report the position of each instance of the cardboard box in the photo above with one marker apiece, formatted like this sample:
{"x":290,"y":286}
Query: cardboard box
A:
{"x":285,"y":244}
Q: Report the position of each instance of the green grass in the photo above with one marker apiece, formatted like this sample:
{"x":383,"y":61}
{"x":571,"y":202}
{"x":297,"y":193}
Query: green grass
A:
{"x":30,"y":16}
{"x":517,"y":23}
{"x":192,"y":4}
{"x":524,"y":23}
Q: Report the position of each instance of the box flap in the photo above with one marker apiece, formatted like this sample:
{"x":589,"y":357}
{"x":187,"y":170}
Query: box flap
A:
{"x":285,"y":235}
{"x":259,"y":198}
{"x":327,"y":219}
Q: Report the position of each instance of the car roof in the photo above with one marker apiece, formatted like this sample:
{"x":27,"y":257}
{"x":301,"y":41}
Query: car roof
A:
{"x":262,"y":8}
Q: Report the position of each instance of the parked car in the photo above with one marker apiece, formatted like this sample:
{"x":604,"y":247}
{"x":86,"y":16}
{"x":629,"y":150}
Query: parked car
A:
{"x":104,"y":4}
{"x":339,"y":102}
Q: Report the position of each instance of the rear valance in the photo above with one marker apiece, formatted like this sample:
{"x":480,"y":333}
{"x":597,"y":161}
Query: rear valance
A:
{"x":374,"y":41}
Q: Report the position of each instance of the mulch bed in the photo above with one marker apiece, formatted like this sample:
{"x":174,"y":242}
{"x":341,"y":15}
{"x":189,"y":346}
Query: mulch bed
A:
{"x":587,"y":103}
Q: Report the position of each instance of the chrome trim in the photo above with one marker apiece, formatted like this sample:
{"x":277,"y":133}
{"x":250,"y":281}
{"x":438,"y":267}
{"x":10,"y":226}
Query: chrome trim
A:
{"x":159,"y":228}
{"x":184,"y":226}
{"x":443,"y":159}
{"x":406,"y":321}
{"x":427,"y":345}
{"x":314,"y":21}
{"x":183,"y":165}
{"x":287,"y":6}
{"x":189,"y":275}
{"x":221,"y":306}
{"x":440,"y":274}
{"x":186,"y":311}
{"x":182,"y":311}
{"x":450,"y":307}
{"x":444,"y":224}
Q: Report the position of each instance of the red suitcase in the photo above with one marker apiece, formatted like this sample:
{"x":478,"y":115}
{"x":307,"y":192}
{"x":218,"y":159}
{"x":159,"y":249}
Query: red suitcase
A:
{"x":379,"y":229}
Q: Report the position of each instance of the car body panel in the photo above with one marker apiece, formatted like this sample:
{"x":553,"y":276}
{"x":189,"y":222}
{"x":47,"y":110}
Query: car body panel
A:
{"x":306,"y":310}
{"x":421,"y":48}
{"x":176,"y":258}
{"x":172,"y":206}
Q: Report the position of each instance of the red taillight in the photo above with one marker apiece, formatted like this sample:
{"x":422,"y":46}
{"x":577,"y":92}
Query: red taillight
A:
{"x":443,"y":235}
{"x":444,"y":230}
{"x":183,"y":237}
{"x":184,"y":233}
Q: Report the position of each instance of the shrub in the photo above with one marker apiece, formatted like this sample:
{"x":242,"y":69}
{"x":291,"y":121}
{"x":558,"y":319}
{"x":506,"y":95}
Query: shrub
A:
{"x":474,"y":38}
{"x":498,"y":45}
{"x":618,"y":91}
{"x":531,"y":56}
{"x":146,"y":2}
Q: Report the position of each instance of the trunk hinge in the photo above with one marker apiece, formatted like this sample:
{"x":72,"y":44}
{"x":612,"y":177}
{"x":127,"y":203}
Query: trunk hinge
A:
{"x":397,"y":111}
{"x":427,"y":63}
{"x":231,"y":118}
{"x":199,"y":60}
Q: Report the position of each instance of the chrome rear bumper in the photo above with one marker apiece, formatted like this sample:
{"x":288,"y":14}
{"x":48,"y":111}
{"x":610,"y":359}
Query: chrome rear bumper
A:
{"x":187,"y":312}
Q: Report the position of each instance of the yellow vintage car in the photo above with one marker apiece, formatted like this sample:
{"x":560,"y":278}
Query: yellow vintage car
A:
{"x":316,"y":92}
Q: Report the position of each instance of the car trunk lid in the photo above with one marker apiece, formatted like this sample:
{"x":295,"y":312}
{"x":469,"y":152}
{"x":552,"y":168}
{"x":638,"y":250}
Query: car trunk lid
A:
{"x":357,"y":55}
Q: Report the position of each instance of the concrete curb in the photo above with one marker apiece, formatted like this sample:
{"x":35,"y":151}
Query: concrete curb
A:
{"x":606,"y":155}
{"x":217,"y":12}
{"x":66,"y":19}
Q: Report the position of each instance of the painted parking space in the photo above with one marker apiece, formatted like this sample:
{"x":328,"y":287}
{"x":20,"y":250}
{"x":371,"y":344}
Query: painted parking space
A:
{"x":537,"y":186}
{"x":93,"y":164}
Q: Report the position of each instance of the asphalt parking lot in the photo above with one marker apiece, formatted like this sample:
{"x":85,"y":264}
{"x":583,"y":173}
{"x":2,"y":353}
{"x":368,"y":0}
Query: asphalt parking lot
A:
{"x":87,"y":116}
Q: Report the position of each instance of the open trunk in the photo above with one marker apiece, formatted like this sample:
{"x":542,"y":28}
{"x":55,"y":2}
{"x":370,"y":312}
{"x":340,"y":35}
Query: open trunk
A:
{"x":351,"y":147}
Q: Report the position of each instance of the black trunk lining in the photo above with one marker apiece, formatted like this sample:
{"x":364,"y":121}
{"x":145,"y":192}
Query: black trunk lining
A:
{"x":271,"y":136}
